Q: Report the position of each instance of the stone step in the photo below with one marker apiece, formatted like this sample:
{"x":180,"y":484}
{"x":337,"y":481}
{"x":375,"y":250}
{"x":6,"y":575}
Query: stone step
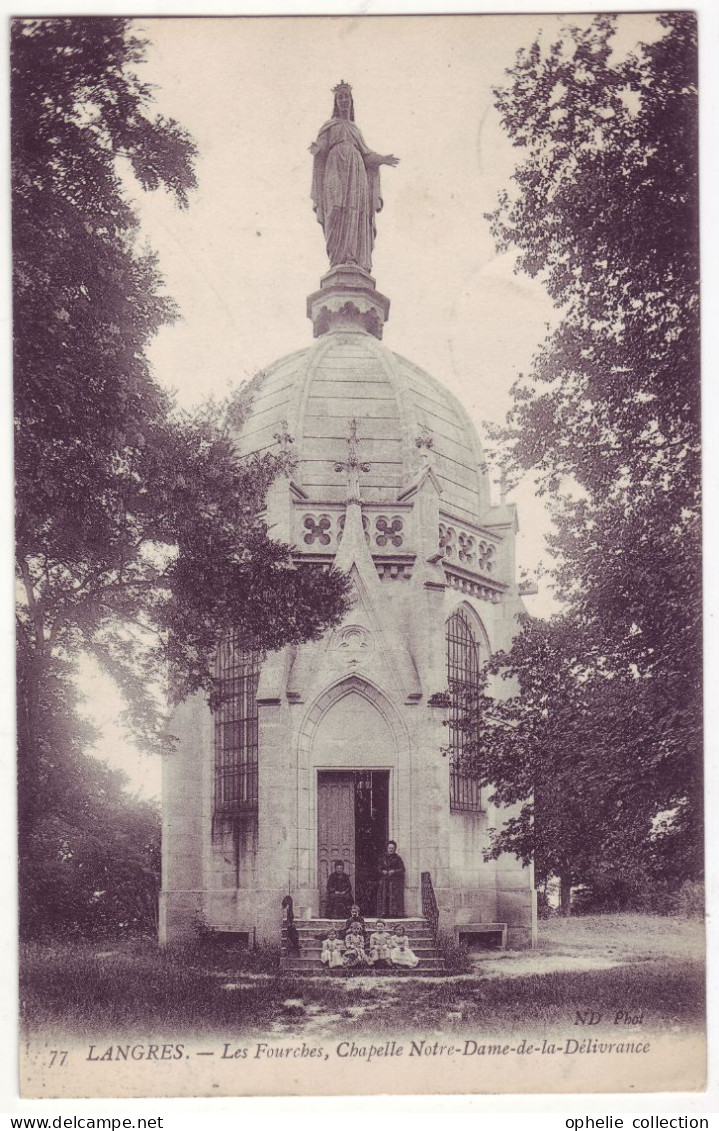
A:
{"x":313,"y":964}
{"x":338,"y":924}
{"x":370,"y":929}
{"x":419,"y":936}
{"x":315,"y":947}
{"x":317,"y":938}
{"x":312,"y":938}
{"x":324,"y":930}
{"x":424,"y":957}
{"x":369,"y":922}
{"x":312,"y":933}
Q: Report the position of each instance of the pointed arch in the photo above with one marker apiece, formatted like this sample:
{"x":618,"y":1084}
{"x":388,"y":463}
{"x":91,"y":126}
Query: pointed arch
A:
{"x":475,"y":622}
{"x":348,"y":685}
{"x":319,"y":751}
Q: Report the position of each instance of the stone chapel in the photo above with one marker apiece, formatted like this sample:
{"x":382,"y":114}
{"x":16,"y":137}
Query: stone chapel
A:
{"x":324,"y":751}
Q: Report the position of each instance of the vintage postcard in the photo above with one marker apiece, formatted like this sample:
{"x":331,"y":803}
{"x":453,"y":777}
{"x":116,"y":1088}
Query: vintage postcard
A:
{"x":358,"y":552}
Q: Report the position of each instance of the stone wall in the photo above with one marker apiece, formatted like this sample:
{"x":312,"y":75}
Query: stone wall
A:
{"x":184,"y":822}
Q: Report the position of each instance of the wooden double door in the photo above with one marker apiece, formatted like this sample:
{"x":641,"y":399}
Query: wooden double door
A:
{"x":352,"y":826}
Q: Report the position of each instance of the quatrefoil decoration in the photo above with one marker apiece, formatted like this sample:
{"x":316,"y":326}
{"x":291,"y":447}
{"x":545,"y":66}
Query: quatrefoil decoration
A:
{"x":317,"y":529}
{"x":466,"y":547}
{"x":486,"y":557}
{"x":389,"y":532}
{"x":447,"y":536}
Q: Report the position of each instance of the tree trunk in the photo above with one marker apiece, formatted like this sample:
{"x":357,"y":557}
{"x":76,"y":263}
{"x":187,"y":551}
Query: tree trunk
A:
{"x":565,"y":894}
{"x":28,"y":705}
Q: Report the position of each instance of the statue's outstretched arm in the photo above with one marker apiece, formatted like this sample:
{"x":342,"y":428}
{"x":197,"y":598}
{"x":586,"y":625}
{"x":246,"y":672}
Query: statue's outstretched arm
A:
{"x":371,"y":158}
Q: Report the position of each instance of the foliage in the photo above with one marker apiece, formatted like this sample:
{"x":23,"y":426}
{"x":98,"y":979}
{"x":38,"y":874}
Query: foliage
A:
{"x":556,"y":752}
{"x":604,"y":210}
{"x":90,"y":856}
{"x":457,"y":959}
{"x":137,"y":535}
{"x":212,"y":946}
{"x":544,"y":907}
{"x":128,"y":512}
{"x":690,"y":900}
{"x":636,"y":891}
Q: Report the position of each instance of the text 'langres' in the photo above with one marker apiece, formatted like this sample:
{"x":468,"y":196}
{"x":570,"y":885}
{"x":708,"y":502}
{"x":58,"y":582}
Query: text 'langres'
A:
{"x":369,"y":1051}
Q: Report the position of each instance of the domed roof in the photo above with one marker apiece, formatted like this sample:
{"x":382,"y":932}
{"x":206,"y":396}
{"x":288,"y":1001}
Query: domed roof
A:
{"x":314,"y":393}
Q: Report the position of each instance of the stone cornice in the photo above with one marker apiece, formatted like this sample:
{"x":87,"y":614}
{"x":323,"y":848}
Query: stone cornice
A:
{"x":455,"y":572}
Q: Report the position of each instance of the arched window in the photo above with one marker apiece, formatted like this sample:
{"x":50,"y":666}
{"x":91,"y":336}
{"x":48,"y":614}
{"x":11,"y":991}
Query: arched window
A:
{"x":463,"y":663}
{"x":238,"y":673}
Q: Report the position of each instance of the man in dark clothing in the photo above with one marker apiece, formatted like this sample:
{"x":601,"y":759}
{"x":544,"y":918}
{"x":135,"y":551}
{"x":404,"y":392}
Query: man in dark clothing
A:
{"x":339,"y":893}
{"x":390,"y":890}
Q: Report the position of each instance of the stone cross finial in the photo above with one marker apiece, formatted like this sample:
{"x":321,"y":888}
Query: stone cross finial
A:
{"x":353,"y":465}
{"x":424,"y":442}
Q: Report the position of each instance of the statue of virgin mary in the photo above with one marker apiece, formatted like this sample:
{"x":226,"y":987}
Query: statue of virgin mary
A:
{"x":345,"y":185}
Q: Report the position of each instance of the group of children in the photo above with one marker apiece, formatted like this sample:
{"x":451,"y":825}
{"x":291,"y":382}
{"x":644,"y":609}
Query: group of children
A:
{"x":347,"y":948}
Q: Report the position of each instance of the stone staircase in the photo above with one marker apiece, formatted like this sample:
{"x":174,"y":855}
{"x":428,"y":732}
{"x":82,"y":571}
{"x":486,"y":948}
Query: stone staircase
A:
{"x":313,"y":931}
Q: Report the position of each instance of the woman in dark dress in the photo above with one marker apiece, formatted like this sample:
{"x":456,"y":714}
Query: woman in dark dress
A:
{"x":339,"y":893}
{"x":390,"y":890}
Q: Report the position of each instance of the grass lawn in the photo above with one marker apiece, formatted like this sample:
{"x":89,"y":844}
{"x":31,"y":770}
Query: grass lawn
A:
{"x":642,"y":963}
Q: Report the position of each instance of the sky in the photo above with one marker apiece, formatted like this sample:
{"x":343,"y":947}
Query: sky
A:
{"x":240,"y":261}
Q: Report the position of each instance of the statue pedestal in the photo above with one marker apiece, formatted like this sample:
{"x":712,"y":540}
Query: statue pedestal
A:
{"x":347,"y":300}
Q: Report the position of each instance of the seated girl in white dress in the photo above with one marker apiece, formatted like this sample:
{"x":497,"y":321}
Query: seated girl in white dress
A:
{"x":355,"y":954}
{"x":380,"y":943}
{"x":332,"y":950}
{"x":400,"y":954}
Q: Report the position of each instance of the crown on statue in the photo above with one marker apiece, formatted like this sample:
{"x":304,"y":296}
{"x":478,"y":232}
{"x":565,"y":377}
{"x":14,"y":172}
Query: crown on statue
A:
{"x":341,"y":85}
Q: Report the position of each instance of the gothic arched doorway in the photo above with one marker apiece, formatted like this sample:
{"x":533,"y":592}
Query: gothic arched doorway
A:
{"x":354,"y":759}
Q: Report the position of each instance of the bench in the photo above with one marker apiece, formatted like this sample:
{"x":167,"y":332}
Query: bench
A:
{"x":482,"y":936}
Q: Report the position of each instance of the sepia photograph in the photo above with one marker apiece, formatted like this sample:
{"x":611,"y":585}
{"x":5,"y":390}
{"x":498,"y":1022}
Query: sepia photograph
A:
{"x":358,"y":541}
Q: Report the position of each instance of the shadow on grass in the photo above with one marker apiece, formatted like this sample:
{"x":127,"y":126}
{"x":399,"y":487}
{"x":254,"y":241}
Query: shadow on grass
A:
{"x":141,"y":992}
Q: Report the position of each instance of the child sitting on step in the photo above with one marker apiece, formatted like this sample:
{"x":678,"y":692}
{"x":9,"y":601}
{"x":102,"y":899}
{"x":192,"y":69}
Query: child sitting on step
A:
{"x":355,"y":954}
{"x":332,"y":949}
{"x":401,"y":955}
{"x":380,"y":944}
